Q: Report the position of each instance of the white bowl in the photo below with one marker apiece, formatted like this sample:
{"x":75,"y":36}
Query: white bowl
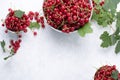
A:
{"x":75,"y":30}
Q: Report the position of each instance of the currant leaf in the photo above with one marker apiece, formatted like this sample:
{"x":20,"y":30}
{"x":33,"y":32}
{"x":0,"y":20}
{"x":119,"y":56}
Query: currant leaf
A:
{"x":115,"y":36}
{"x":3,"y":45}
{"x":103,"y":17}
{"x":118,"y":20}
{"x":118,"y":15}
{"x":117,"y":48}
{"x":34,"y":25}
{"x":19,"y":13}
{"x":113,"y":39}
{"x":96,"y":1}
{"x":106,"y":39}
{"x":115,"y":74}
{"x":111,"y":5}
{"x":85,"y":29}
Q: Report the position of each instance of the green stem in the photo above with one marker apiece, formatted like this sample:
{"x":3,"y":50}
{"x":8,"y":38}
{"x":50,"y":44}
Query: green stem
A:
{"x":8,"y":56}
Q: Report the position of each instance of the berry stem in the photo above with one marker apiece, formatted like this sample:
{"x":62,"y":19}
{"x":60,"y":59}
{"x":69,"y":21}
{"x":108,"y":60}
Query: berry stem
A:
{"x":112,"y":28}
{"x":8,"y":56}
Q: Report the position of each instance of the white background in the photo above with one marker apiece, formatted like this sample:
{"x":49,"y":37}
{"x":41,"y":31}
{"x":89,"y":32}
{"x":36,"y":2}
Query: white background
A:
{"x":52,"y":55}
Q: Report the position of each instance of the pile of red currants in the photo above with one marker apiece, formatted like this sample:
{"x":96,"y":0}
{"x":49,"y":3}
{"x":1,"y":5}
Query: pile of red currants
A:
{"x":107,"y":73}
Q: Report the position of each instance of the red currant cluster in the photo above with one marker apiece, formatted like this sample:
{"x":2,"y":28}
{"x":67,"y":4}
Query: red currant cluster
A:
{"x":106,"y":72}
{"x":42,"y":21}
{"x":39,"y":19}
{"x":15,"y":45}
{"x":16,"y":24}
{"x":36,"y":16}
{"x":67,"y":15}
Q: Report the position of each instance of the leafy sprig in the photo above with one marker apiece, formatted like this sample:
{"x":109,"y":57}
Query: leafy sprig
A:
{"x":3,"y":46}
{"x":105,"y":15}
{"x":11,"y":54}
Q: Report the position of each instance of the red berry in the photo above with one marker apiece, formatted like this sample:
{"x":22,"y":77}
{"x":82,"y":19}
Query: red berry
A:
{"x":101,"y":3}
{"x":6,"y":31}
{"x":36,"y":14}
{"x":15,"y":45}
{"x":9,"y":9}
{"x":3,"y":25}
{"x":10,"y":46}
{"x":19,"y":36}
{"x":35,"y":33}
{"x":19,"y":40}
{"x":25,"y":30}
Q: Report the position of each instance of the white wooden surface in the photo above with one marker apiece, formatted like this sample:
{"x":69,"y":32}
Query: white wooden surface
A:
{"x":52,"y":55}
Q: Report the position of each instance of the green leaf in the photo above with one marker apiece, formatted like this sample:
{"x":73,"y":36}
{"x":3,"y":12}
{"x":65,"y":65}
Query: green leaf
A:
{"x":34,"y":25}
{"x":118,"y":20}
{"x":117,"y":31}
{"x":118,"y":15}
{"x":3,"y":45}
{"x":117,"y":48}
{"x":85,"y":29}
{"x":115,"y":74}
{"x":113,"y":39}
{"x":96,"y":1}
{"x":118,"y":23}
{"x":115,"y":36}
{"x":103,"y":17}
{"x":111,"y":5}
{"x":106,"y":39}
{"x":19,"y":13}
